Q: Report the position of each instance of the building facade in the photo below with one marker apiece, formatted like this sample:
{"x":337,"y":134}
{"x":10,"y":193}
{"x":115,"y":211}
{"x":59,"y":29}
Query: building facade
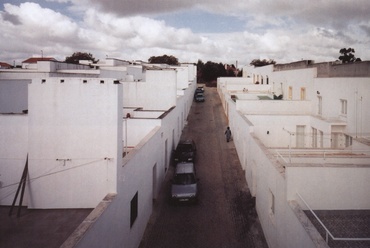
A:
{"x":301,"y":135}
{"x":97,"y":137}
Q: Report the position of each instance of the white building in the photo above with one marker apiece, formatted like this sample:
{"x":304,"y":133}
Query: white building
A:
{"x":97,"y":137}
{"x":307,"y":150}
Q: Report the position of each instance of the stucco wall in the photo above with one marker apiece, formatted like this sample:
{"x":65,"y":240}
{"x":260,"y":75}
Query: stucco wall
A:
{"x":274,"y":107}
{"x":266,"y":181}
{"x":276,"y":130}
{"x":320,"y":184}
{"x":74,"y":125}
{"x":158,"y":92}
{"x":330,"y":187}
{"x":357,"y":94}
{"x":13,"y":154}
{"x":182,"y":77}
{"x":142,"y":172}
{"x":265,"y":178}
{"x":135,"y":175}
{"x":136,"y":129}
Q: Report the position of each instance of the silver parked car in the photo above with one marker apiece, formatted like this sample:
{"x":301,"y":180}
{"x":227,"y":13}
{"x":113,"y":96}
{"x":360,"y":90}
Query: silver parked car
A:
{"x":185,"y":183}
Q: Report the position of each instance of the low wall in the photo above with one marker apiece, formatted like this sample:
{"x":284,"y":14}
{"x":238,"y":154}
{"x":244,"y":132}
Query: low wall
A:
{"x":274,"y":107}
{"x":330,"y":187}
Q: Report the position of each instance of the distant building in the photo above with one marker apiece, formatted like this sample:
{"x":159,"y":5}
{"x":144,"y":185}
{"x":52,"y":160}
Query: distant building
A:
{"x":30,"y":63}
{"x":302,"y":135}
{"x":4,"y":65}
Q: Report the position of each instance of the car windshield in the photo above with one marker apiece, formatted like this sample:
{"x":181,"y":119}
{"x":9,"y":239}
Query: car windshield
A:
{"x":184,"y":178}
{"x":185,"y":147}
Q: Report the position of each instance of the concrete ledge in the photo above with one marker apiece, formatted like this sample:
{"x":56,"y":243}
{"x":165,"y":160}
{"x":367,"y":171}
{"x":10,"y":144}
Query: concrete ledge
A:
{"x":90,"y":220}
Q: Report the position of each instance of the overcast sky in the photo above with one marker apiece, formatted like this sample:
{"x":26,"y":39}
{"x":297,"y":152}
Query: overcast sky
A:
{"x":209,"y":30}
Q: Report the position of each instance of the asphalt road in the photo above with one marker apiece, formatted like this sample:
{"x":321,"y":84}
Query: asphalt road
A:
{"x":225,"y":216}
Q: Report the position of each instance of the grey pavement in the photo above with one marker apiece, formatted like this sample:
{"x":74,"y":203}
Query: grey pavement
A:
{"x":225,"y":216}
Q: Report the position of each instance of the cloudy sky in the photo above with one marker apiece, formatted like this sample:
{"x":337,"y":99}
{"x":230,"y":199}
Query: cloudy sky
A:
{"x":209,"y":30}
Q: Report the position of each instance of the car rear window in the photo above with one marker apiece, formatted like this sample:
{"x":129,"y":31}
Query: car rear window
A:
{"x":185,"y":147}
{"x":184,"y":178}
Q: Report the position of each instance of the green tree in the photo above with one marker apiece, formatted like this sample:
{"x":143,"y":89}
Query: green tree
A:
{"x":240,"y":73}
{"x":77,"y":56}
{"x":164,"y":59}
{"x":212,"y":71}
{"x":258,"y":62}
{"x":200,"y":68}
{"x":231,"y":71}
{"x":347,"y":55}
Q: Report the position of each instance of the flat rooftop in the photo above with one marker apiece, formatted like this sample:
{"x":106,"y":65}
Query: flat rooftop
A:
{"x":343,"y":224}
{"x":38,"y":227}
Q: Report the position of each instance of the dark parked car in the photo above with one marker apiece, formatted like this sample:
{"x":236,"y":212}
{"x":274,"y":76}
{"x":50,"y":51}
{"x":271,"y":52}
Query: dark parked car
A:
{"x":184,"y":186}
{"x":199,"y":90}
{"x":199,"y":97}
{"x":185,"y":151}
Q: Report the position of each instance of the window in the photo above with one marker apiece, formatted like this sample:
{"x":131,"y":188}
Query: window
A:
{"x":303,"y":93}
{"x":272,"y":203}
{"x":343,"y":109}
{"x":133,"y":209}
{"x":321,"y":133}
{"x":290,"y":93}
{"x":300,"y":133}
{"x":314,"y":137}
{"x":319,"y":109}
{"x":348,"y":140}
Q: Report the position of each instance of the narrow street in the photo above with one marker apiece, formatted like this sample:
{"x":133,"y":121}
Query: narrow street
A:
{"x":225,"y":216}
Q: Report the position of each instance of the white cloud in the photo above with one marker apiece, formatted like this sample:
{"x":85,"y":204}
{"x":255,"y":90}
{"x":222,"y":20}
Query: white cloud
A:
{"x":281,"y":30}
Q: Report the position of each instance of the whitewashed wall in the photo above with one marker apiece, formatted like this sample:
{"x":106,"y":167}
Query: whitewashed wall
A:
{"x":281,"y":80}
{"x":82,"y":123}
{"x":357,"y":93}
{"x":142,"y":171}
{"x":274,"y":107}
{"x":265,"y":178}
{"x":158,"y":92}
{"x":136,"y":129}
{"x":13,"y":155}
{"x":275,"y":130}
{"x":182,"y":77}
{"x":330,"y":187}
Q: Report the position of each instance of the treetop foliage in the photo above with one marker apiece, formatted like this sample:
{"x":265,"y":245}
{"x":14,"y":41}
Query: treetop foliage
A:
{"x":164,"y":59}
{"x":258,"y":62}
{"x":347,"y":55}
{"x":77,"y":56}
{"x":210,"y":71}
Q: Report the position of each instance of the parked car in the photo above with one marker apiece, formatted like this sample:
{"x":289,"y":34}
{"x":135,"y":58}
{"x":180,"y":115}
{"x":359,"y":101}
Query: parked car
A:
{"x":184,"y":185}
{"x":199,"y":90}
{"x":199,"y":97}
{"x":185,"y":151}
